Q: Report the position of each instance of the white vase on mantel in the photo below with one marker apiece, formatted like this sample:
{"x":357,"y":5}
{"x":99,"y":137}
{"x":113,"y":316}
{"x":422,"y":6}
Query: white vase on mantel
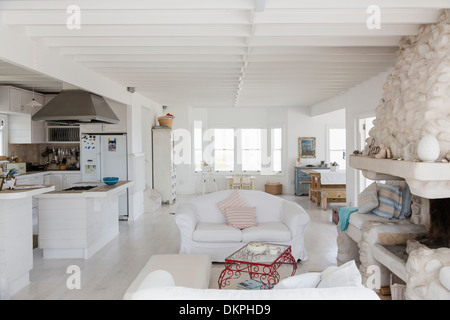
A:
{"x":428,"y":148}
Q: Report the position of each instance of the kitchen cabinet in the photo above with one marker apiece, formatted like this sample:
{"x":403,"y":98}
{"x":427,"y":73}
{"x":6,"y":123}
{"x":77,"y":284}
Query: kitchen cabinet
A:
{"x":10,"y":99}
{"x":121,"y":113}
{"x":21,"y":128}
{"x":303,"y":180}
{"x":60,"y":179}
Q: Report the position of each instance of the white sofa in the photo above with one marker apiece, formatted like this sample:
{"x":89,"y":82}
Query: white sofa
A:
{"x":334,"y":283}
{"x":204,"y":230}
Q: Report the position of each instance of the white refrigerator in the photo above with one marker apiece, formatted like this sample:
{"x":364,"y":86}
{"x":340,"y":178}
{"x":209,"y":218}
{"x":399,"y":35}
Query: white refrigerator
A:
{"x":105,"y":155}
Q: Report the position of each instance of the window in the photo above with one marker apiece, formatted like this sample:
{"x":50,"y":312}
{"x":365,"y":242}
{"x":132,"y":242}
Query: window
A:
{"x":224,"y":149}
{"x":337,"y":146}
{"x":251,"y":149}
{"x":277,"y":144}
{"x":238,"y":150}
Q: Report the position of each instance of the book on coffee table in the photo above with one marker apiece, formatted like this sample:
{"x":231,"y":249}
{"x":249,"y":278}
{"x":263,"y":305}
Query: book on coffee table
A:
{"x":252,"y":285}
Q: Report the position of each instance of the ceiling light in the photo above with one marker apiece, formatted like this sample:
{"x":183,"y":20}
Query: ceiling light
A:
{"x":33,"y":103}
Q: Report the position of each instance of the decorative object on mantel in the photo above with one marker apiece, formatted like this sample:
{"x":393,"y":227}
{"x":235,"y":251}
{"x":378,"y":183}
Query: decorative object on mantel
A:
{"x":298,"y":162}
{"x":307,"y":147}
{"x":166,"y":121}
{"x":447,"y":156}
{"x":428,"y":148}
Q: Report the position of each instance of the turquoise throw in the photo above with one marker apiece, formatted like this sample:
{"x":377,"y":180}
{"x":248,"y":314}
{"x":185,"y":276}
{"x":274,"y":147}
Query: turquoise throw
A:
{"x":344,"y":216}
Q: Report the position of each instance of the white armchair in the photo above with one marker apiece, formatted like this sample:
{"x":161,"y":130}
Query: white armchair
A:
{"x":204,"y":230}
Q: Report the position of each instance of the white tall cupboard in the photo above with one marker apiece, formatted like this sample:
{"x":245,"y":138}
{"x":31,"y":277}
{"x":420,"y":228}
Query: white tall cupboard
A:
{"x":164,"y":174}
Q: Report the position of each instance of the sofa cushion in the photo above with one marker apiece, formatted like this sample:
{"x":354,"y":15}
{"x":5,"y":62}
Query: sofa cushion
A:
{"x":390,"y":201}
{"x":235,"y":200}
{"x":406,"y":197}
{"x":267,"y":231}
{"x":268,"y":206}
{"x":216,"y":232}
{"x":368,"y":199}
{"x":241,"y":217}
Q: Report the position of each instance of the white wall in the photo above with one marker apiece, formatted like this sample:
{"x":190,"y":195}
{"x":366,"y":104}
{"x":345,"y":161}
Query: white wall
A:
{"x":296,"y":122}
{"x":359,"y":101}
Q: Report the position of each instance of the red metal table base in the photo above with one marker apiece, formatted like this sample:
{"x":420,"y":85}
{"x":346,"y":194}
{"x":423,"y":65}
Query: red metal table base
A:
{"x":266,"y":274}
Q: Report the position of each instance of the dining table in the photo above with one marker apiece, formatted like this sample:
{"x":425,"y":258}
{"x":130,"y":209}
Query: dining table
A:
{"x":325,"y":180}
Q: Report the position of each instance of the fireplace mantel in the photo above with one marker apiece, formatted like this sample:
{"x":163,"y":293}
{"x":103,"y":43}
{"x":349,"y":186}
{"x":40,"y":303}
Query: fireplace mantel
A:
{"x":425,"y":179}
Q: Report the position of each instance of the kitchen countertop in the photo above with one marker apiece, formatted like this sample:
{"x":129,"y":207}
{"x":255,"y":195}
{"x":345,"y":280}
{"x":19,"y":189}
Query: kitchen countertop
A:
{"x":29,"y":191}
{"x":102,"y":190}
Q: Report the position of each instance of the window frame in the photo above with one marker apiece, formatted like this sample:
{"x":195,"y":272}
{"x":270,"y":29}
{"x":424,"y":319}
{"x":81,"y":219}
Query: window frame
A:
{"x":266,"y":168}
{"x":328,"y":142}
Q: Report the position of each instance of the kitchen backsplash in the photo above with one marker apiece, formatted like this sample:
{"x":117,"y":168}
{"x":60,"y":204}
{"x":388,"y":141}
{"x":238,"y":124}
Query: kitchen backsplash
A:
{"x":33,"y":152}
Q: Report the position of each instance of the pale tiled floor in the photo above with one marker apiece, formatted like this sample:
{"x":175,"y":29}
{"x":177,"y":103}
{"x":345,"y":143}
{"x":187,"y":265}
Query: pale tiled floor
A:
{"x":108,"y":273}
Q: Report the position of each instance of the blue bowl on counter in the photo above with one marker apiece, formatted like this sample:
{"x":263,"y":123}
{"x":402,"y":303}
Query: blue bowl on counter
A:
{"x":110,"y":180}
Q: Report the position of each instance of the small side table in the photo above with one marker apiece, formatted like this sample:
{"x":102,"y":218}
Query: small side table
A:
{"x":261,"y":267}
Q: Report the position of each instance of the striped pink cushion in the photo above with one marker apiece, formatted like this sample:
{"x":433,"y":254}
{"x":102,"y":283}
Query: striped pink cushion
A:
{"x":235,"y":200}
{"x":241,"y":217}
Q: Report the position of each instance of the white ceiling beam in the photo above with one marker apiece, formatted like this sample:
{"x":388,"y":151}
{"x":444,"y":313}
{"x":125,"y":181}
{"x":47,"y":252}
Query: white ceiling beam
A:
{"x":150,"y":64}
{"x":347,"y":16}
{"x":157,"y":57}
{"x":225,"y":30}
{"x":352,"y":4}
{"x":296,"y":64}
{"x":22,"y":51}
{"x":320,"y":58}
{"x":116,"y":50}
{"x":174,"y":71}
{"x":327,"y":30}
{"x":143,"y":41}
{"x":325,"y":41}
{"x":324,"y":50}
{"x":129,"y":4}
{"x":107,"y":17}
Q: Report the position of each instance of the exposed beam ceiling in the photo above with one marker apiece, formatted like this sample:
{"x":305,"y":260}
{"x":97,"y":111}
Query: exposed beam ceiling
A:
{"x":223,"y":52}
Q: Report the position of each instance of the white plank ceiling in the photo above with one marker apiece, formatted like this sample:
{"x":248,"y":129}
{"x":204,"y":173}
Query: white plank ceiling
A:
{"x":222,"y":52}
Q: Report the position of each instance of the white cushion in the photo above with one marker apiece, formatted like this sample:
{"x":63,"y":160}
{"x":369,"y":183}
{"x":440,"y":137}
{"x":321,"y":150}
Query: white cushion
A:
{"x":358,"y":219}
{"x":304,"y":280}
{"x":268,"y":231}
{"x":346,"y":275}
{"x":157,"y":278}
{"x":216,"y":232}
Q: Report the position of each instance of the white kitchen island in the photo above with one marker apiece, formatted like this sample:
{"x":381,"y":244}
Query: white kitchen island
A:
{"x":16,"y":237}
{"x":78,"y":223}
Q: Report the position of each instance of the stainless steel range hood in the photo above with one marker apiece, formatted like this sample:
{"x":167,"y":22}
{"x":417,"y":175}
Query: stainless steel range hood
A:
{"x":77,"y":106}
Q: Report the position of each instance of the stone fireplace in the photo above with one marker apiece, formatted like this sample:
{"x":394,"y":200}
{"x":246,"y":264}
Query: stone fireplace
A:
{"x":415,"y":103}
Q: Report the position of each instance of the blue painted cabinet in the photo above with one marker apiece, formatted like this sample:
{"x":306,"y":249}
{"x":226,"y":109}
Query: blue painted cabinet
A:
{"x":302,"y":181}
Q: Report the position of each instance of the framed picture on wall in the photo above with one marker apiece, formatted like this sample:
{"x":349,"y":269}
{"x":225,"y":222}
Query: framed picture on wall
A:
{"x":307,"y":147}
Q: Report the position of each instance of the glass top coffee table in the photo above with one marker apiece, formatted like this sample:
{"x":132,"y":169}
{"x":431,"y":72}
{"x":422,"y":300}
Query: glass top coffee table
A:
{"x":261,"y":267}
